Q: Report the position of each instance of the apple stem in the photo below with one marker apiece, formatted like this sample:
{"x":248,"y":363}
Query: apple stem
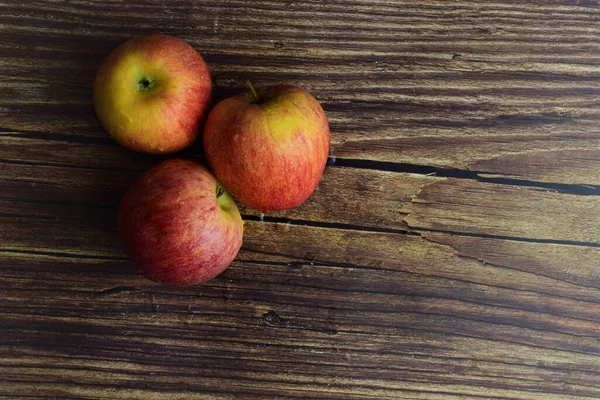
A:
{"x":146,"y":84}
{"x":220,"y":192}
{"x":251,"y":86}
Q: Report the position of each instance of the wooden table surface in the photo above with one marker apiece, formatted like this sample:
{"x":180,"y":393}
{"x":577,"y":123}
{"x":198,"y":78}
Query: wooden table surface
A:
{"x":451,"y":251}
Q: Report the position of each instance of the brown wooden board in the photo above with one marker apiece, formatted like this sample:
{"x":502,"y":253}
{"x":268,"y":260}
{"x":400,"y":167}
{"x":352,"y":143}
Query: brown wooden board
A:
{"x":451,"y":250}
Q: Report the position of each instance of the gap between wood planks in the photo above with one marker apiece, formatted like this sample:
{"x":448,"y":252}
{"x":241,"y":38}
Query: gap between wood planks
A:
{"x":481,"y":176}
{"x":411,"y":232}
{"x":398,"y":168}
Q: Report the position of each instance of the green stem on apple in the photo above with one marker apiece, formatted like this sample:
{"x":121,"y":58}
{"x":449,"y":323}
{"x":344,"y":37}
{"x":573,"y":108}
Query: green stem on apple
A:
{"x":146,"y":84}
{"x":251,"y":86}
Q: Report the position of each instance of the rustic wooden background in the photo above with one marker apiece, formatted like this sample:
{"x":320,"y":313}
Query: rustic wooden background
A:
{"x":452,"y":250}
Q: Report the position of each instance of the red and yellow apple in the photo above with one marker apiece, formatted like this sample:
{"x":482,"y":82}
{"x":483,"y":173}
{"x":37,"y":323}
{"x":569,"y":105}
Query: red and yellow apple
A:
{"x":179,"y":225}
{"x":268,"y":146}
{"x":151,"y":94}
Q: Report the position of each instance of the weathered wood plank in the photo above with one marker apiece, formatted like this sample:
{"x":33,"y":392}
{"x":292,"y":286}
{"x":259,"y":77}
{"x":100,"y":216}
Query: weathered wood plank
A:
{"x":500,"y":88}
{"x":335,"y":324}
{"x":467,"y":206}
{"x":362,"y":197}
{"x":64,"y":184}
{"x":345,"y":195}
{"x":570,"y":264}
{"x":90,"y":153}
{"x":447,"y":270}
{"x":493,"y":291}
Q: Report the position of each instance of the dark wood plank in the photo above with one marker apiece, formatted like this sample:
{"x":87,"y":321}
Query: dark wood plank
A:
{"x":389,"y":283}
{"x":461,"y":205}
{"x":494,"y":87}
{"x":362,"y":197}
{"x":345,"y":195}
{"x":335,"y":324}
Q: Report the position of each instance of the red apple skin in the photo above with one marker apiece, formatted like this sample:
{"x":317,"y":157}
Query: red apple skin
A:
{"x":270,"y":154}
{"x":175,"y":229}
{"x":165,"y":117}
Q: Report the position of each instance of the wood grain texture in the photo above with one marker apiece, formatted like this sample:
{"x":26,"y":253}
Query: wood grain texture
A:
{"x":432,"y":322}
{"x":451,"y":250}
{"x":508,"y":88}
{"x":461,"y":205}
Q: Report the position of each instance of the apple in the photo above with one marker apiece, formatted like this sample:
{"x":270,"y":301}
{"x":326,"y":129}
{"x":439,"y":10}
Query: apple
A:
{"x":179,"y":225}
{"x":152,"y":93}
{"x":268,"y":146}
